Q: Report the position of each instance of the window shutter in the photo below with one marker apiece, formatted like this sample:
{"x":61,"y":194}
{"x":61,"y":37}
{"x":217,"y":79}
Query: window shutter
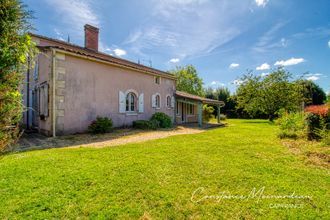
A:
{"x":172,"y":101}
{"x":153,"y":101}
{"x":122,"y":102}
{"x":141,"y":102}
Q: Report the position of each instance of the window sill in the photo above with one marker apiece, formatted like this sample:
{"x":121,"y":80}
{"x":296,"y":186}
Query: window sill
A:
{"x":131,"y":113}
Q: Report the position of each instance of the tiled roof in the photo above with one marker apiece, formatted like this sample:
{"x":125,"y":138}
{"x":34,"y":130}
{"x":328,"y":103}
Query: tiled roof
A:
{"x":198,"y":98}
{"x":62,"y":45}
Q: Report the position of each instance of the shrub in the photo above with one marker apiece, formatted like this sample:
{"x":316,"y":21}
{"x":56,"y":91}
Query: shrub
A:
{"x":100,"y":125}
{"x":315,"y":123}
{"x":292,"y":125}
{"x":15,"y":47}
{"x":207,"y":113}
{"x":223,"y":117}
{"x":287,"y":134}
{"x":324,"y":134}
{"x":321,"y":110}
{"x":146,"y":125}
{"x":163,"y":120}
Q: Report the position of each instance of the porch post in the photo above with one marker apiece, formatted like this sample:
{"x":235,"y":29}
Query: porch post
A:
{"x":218,"y":114}
{"x":200,"y":114}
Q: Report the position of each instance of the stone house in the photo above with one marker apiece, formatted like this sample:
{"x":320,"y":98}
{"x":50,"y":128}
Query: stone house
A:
{"x":69,"y":86}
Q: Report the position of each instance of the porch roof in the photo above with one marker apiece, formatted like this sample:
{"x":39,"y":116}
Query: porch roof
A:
{"x":181,"y":94}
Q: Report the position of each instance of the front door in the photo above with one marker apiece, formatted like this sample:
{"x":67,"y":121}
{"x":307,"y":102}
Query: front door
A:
{"x":183,"y":112}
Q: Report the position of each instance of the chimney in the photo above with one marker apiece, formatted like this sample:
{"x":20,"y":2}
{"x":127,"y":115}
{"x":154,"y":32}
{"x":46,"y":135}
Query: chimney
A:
{"x":91,"y":37}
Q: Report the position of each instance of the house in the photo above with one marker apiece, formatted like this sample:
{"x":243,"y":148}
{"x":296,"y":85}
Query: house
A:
{"x":69,"y":86}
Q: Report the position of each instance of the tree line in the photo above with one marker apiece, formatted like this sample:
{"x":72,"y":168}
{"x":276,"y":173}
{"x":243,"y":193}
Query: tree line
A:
{"x":256,"y":96}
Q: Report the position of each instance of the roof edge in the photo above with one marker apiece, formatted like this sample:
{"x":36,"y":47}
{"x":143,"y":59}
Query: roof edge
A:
{"x":103,"y":56}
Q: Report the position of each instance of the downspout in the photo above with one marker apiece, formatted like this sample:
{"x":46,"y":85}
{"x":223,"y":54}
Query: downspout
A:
{"x":53,"y":93}
{"x":28,"y":95}
{"x":218,"y":114}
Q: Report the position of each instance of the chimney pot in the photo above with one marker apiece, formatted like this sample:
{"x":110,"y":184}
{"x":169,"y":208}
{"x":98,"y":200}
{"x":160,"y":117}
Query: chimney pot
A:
{"x":91,"y":37}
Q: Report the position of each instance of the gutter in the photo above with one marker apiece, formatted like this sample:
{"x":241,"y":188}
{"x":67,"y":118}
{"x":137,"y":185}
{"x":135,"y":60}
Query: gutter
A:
{"x":53,"y":93}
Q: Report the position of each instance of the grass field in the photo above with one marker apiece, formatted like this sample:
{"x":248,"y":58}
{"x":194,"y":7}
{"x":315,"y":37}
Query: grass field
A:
{"x":210,"y":175}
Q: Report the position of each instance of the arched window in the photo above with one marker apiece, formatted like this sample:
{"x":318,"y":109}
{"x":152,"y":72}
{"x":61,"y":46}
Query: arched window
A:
{"x":131,"y":102}
{"x":168,"y":101}
{"x":157,"y":101}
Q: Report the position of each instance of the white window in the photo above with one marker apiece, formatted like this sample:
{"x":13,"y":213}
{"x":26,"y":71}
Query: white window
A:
{"x":131,"y":102}
{"x":157,"y":101}
{"x":168,"y":101}
{"x":43,"y":100}
{"x":157,"y":80}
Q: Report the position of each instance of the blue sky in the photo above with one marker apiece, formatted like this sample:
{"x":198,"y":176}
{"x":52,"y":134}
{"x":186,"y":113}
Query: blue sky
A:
{"x":221,"y":38}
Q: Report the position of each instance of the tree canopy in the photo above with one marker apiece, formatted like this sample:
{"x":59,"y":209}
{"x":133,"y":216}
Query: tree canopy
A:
{"x":268,"y":94}
{"x":188,"y":80}
{"x":15,"y":48}
{"x":313,"y":94}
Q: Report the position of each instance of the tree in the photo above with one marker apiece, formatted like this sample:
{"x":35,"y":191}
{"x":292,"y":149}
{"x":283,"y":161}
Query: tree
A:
{"x":15,"y":47}
{"x":222,"y":94}
{"x":313,"y":93}
{"x":188,"y":80}
{"x":209,"y":93}
{"x":268,"y":94}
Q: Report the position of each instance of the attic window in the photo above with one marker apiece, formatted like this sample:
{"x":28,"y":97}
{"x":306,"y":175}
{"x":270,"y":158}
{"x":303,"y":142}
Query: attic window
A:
{"x":157,"y":80}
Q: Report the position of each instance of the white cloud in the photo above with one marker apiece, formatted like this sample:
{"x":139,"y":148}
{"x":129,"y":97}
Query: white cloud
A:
{"x":170,"y":30}
{"x":313,"y":78}
{"x":264,"y":66}
{"x":233,"y":65}
{"x":269,"y":41}
{"x":217,"y":83}
{"x":289,"y":62}
{"x":113,"y":51}
{"x":264,"y":74}
{"x":284,"y":42}
{"x":119,"y":52}
{"x":329,"y":43}
{"x":237,"y":82}
{"x":261,"y":3}
{"x":74,"y":14}
{"x":174,"y":60}
{"x":59,"y":35}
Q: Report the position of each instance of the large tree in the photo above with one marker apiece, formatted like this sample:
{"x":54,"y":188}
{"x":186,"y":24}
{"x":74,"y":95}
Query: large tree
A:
{"x":221,"y":94}
{"x":268,"y":94}
{"x":313,"y":93}
{"x":188,"y":80}
{"x":15,"y":48}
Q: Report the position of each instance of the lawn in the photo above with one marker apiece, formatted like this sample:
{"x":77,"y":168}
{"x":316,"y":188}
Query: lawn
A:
{"x":209,"y":175}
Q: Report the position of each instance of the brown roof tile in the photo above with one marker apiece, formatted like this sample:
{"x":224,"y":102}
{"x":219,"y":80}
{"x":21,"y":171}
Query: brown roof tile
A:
{"x":62,"y":45}
{"x":198,"y":98}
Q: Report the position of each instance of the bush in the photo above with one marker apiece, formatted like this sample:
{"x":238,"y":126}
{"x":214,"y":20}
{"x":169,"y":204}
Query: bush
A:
{"x":146,"y":125}
{"x":100,"y":125}
{"x":292,"y":125}
{"x":207,"y":113}
{"x":163,"y":120}
{"x":288,"y":134}
{"x":321,"y":110}
{"x":314,"y":125}
{"x":324,"y":134}
{"x":15,"y":47}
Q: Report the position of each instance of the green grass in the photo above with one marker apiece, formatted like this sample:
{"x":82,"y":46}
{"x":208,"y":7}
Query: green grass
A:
{"x":156,"y":179}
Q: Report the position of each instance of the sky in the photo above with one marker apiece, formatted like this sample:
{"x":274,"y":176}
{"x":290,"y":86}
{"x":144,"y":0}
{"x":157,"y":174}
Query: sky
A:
{"x":223,"y":39}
